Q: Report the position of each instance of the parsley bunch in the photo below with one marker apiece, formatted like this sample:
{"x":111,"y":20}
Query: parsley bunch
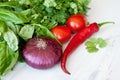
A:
{"x":55,"y":12}
{"x":48,"y":13}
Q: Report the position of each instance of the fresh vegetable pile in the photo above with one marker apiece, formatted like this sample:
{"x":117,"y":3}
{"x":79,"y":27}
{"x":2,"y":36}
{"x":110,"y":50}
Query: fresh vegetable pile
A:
{"x":35,"y":30}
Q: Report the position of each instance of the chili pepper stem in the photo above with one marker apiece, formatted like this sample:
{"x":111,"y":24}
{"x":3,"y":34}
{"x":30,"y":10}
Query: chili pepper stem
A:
{"x":103,"y":23}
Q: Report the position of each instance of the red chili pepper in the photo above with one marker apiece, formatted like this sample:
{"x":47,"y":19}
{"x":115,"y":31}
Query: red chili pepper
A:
{"x":78,"y":39}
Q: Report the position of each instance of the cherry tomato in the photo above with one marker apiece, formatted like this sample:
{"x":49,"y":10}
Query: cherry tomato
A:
{"x":76,"y":22}
{"x":62,"y":33}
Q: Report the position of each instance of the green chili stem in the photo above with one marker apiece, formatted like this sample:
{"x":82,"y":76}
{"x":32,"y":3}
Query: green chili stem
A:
{"x":103,"y":23}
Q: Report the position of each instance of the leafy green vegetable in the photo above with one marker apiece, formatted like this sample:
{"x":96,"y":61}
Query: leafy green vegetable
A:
{"x":14,"y":17}
{"x":11,"y":40}
{"x":3,"y":27}
{"x":8,"y":58}
{"x":0,"y":34}
{"x":9,"y":36}
{"x":93,"y":44}
{"x":49,"y":3}
{"x":13,"y":27}
{"x":8,"y":49}
{"x":41,"y":30}
{"x":7,"y":4}
{"x":26,"y":32}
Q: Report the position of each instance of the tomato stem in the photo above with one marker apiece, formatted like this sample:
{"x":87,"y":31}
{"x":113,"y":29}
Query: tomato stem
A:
{"x":103,"y":23}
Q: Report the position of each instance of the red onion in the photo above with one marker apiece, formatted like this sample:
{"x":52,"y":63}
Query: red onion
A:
{"x":42,"y":52}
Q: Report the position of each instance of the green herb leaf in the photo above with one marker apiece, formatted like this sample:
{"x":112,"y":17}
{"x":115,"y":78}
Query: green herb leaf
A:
{"x":49,"y":3}
{"x":90,"y":44}
{"x":16,"y":18}
{"x":41,"y":30}
{"x":3,"y":27}
{"x":93,"y":44}
{"x":13,"y":27}
{"x":57,"y":11}
{"x":8,"y":58}
{"x":9,"y":36}
{"x":102,"y":43}
{"x":92,"y":49}
{"x":11,"y":39}
{"x":93,"y":40}
{"x":26,"y":32}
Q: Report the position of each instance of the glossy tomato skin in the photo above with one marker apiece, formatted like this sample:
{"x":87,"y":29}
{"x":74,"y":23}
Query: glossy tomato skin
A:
{"x":62,"y":33}
{"x":76,"y":22}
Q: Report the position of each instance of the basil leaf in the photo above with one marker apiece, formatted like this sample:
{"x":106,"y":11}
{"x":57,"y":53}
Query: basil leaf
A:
{"x":26,"y":32}
{"x":8,"y":58}
{"x":13,"y":27}
{"x":9,"y":36}
{"x":3,"y":27}
{"x":16,"y":18}
{"x":11,"y":40}
{"x":41,"y":30}
{"x":9,"y":4}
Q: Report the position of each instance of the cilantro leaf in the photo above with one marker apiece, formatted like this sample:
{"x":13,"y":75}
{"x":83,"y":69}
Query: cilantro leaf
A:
{"x":90,"y":44}
{"x":93,"y":44}
{"x":102,"y":43}
{"x":92,"y":49}
{"x":94,"y":40}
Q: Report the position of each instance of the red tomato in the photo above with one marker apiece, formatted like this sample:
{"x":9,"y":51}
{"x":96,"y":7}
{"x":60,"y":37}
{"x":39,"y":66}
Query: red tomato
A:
{"x":62,"y":33}
{"x":76,"y":22}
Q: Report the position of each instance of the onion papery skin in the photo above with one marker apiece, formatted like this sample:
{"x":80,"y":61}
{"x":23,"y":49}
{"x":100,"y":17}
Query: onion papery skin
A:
{"x":42,"y":52}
